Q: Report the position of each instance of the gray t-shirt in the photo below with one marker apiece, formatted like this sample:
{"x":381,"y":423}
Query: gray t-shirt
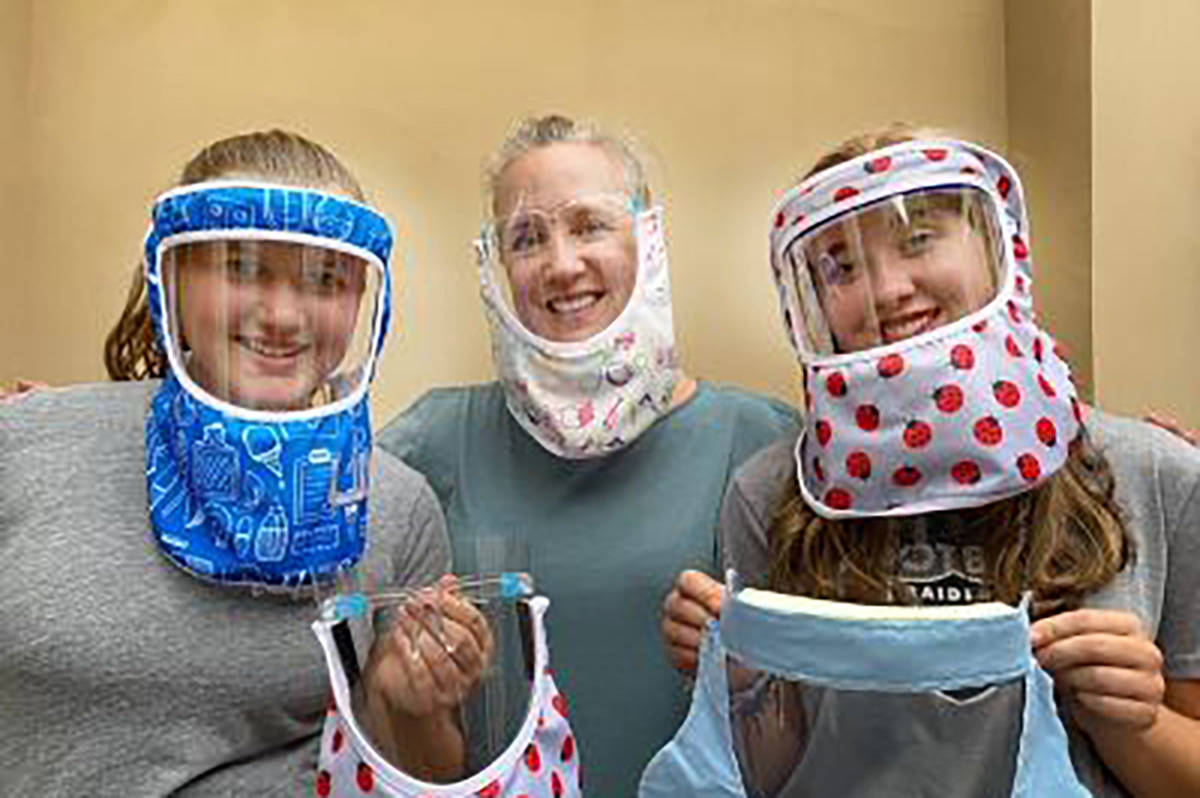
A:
{"x":1158,"y":489}
{"x":122,"y":675}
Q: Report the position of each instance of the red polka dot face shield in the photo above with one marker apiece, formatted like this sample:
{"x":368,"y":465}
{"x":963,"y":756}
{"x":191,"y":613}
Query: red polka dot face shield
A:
{"x":904,"y":278}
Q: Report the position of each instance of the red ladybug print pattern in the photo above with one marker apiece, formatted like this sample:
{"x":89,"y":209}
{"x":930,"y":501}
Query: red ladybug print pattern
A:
{"x":917,"y":434}
{"x":1037,"y":349}
{"x":961,"y":357}
{"x":906,"y":476}
{"x":1029,"y":467}
{"x":858,"y":465}
{"x":1020,"y":251}
{"x":1046,"y":431}
{"x":324,"y":783}
{"x":568,"y":749}
{"x":365,"y":777}
{"x":835,"y":383}
{"x":338,"y":740}
{"x":965,"y":472}
{"x":556,"y":784}
{"x":948,"y":398}
{"x":980,"y":326}
{"x":779,"y":219}
{"x":818,"y":470}
{"x":1006,"y":393}
{"x":1046,"y":387}
{"x":560,"y":704}
{"x":844,"y":193}
{"x":933,"y":155}
{"x":838,"y":499}
{"x":891,"y":366}
{"x":877,"y":165}
{"x":988,"y":431}
{"x":824,"y":432}
{"x":490,"y":791}
{"x":1014,"y":312}
{"x":1003,"y":185}
{"x":1010,"y":344}
{"x":533,"y":760}
{"x":867,"y":417}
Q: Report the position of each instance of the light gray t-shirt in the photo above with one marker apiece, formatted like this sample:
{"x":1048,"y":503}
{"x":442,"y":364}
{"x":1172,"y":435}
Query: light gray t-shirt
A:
{"x":122,"y":675}
{"x":1157,"y":486}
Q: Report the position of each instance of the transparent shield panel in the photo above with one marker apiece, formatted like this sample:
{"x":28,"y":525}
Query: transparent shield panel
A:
{"x":798,"y":740}
{"x":566,"y":271}
{"x":461,"y":651}
{"x":270,"y":325}
{"x":896,"y":268}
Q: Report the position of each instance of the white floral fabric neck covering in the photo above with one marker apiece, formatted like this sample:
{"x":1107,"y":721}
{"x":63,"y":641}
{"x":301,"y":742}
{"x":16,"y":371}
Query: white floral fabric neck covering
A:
{"x":589,"y":398}
{"x":958,"y":416}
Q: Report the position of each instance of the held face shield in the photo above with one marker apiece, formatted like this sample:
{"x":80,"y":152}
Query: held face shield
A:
{"x":905,"y":283}
{"x":799,"y":696}
{"x":511,"y":718}
{"x":272,"y":303}
{"x":578,"y":300}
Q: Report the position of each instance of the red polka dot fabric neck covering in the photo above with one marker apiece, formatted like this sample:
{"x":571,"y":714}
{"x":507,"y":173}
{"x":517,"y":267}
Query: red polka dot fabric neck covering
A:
{"x":964,"y":414}
{"x":542,"y":760}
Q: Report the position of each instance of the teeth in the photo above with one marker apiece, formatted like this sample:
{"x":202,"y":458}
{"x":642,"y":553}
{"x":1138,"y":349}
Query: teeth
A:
{"x":907,"y":327}
{"x":573,"y":304}
{"x":270,"y":351}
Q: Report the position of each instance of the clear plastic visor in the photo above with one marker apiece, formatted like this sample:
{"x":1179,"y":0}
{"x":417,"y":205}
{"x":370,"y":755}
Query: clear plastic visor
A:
{"x":565,"y":271}
{"x":794,"y":739}
{"x":895,"y":268}
{"x":270,"y":325}
{"x":463,"y":647}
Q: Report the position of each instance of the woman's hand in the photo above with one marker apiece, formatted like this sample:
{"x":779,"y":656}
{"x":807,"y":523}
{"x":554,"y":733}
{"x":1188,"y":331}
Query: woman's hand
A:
{"x":1110,"y":670}
{"x":435,"y":652}
{"x":692,"y":603}
{"x":417,"y":675}
{"x":1173,"y":426}
{"x":21,"y":388}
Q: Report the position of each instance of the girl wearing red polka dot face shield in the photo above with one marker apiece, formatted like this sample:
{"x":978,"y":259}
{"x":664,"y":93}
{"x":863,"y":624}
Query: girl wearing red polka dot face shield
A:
{"x":945,"y":461}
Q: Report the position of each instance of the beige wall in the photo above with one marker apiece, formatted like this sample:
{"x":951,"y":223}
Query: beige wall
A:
{"x":736,"y":97}
{"x":14,"y":265}
{"x":1048,"y":80}
{"x":1146,"y":200}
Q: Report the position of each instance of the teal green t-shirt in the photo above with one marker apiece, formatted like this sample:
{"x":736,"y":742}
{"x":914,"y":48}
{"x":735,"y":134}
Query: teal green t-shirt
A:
{"x":605,"y":536}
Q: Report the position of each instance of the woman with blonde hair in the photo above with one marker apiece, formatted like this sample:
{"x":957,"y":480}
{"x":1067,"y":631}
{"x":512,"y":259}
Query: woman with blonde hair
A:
{"x":946,"y":461}
{"x":164,"y":533}
{"x":592,"y":449}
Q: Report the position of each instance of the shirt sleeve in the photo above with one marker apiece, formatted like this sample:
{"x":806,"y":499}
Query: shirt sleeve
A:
{"x":1179,"y":633}
{"x":743,"y":533}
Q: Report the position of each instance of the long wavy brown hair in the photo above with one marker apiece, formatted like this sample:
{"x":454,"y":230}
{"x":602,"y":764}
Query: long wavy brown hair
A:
{"x":1061,"y":540}
{"x":131,"y":350}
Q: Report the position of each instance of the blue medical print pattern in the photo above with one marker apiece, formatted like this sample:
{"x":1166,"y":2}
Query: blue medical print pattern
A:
{"x":262,"y":207}
{"x":279,"y":504}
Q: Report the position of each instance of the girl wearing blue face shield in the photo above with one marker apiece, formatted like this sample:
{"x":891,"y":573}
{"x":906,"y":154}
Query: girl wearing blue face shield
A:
{"x":945,"y":462}
{"x":165,"y":532}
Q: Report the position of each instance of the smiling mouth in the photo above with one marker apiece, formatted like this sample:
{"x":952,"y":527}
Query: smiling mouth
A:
{"x":907,"y":325}
{"x":272,"y":351}
{"x":574,"y":303}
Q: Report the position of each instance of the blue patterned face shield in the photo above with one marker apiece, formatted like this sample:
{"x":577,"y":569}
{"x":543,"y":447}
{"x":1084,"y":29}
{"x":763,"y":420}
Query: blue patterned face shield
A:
{"x":271,"y":303}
